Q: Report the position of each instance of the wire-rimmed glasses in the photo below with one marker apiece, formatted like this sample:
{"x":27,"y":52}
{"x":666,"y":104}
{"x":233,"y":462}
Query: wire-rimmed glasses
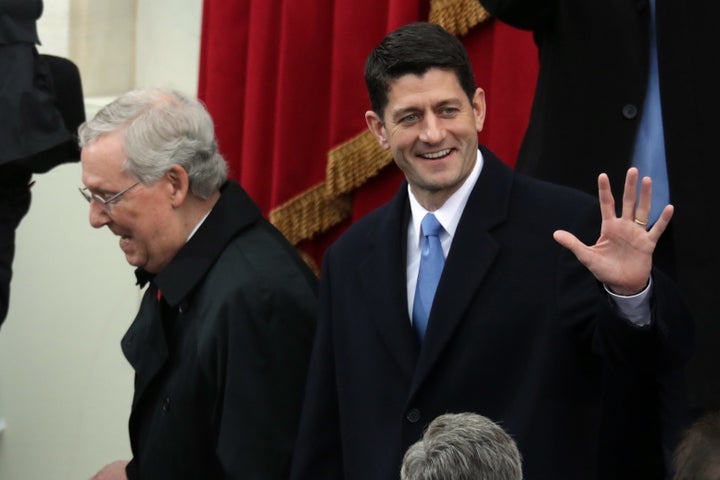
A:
{"x":105,"y":203}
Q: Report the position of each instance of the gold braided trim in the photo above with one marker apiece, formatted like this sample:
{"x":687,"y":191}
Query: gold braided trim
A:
{"x":323,"y":206}
{"x":310,"y":213}
{"x":354,"y":162}
{"x":457,"y":16}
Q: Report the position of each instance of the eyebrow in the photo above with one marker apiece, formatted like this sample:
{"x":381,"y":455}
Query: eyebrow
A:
{"x":397,"y":114}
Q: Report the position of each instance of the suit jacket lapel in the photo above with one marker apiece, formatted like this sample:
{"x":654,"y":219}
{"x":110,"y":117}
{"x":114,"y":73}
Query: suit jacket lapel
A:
{"x":383,"y":284}
{"x":471,"y":256}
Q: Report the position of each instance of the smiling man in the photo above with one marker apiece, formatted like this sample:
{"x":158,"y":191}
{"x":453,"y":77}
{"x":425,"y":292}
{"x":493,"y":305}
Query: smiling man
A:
{"x":221,"y":343}
{"x":468,"y":293}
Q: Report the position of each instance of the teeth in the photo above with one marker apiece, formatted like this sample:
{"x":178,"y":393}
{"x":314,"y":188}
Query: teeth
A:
{"x":439,"y":154}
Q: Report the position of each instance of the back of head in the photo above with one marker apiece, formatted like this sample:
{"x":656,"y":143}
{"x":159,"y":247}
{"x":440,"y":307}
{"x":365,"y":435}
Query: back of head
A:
{"x":463,"y":446}
{"x":161,"y":129}
{"x":697,"y":457}
{"x":414,"y":49}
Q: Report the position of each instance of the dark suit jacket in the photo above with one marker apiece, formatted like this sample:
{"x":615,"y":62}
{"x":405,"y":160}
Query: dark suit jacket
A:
{"x":520,"y":332}
{"x":594,"y":61}
{"x":220,"y":361}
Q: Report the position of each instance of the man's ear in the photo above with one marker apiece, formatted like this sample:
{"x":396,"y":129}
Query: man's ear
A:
{"x":377,"y":127}
{"x":479,"y":109}
{"x":179,"y":185}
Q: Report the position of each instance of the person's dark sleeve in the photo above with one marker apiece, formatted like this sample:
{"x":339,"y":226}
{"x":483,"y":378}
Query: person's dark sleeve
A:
{"x":14,"y":204}
{"x":665,"y":344}
{"x":525,"y":14}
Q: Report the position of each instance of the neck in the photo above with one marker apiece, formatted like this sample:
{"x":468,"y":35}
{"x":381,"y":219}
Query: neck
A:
{"x":196,"y":209}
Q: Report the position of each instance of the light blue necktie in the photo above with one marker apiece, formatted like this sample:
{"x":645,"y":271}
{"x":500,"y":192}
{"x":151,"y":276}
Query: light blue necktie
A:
{"x":649,"y":156}
{"x":431,"y":266}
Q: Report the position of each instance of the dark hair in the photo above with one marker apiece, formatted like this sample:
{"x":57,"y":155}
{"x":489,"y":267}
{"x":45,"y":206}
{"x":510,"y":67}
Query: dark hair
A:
{"x":414,"y":49}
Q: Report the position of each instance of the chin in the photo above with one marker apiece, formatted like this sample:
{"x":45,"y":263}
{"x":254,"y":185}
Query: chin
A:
{"x":133,"y":261}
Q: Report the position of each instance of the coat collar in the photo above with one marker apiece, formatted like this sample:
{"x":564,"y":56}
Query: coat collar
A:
{"x":382,"y":281}
{"x":233,"y":212}
{"x":144,"y":344}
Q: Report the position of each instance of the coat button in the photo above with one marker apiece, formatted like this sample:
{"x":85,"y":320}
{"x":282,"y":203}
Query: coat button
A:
{"x":629,"y":111}
{"x":413,"y":416}
{"x":166,"y":404}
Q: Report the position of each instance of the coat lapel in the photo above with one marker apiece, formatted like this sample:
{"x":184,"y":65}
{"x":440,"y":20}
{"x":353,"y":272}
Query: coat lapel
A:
{"x":471,"y":256}
{"x":383,"y":284}
{"x":144,"y":344}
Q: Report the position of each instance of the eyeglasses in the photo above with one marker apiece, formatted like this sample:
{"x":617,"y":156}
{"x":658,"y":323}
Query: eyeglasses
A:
{"x":105,"y":203}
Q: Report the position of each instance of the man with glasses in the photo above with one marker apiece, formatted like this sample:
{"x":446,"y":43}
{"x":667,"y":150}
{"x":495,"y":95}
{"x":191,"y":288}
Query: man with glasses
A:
{"x":221,"y":343}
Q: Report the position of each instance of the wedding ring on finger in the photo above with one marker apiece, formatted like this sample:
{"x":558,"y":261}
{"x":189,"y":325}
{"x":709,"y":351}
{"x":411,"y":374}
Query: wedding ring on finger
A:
{"x":640,"y":222}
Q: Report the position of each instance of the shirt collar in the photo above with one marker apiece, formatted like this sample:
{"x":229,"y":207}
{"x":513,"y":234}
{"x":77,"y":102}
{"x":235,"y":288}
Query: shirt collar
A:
{"x":450,"y":212}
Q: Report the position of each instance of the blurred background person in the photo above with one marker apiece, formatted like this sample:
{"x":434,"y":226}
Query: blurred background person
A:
{"x":698,"y":454}
{"x":41,"y":106}
{"x":626,"y":83}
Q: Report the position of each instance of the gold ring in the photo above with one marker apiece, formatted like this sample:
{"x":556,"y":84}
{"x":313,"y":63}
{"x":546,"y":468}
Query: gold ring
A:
{"x":640,"y":222}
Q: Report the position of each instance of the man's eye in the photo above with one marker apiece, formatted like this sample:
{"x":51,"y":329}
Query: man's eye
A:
{"x":409,"y":118}
{"x":449,"y":111}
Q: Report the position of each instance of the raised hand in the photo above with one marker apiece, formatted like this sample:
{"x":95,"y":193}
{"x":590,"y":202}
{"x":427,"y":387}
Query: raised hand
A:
{"x":622,"y":256}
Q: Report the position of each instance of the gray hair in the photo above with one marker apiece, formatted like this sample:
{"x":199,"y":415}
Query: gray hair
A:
{"x":463,"y":446}
{"x":162,"y":128}
{"x":697,"y":456}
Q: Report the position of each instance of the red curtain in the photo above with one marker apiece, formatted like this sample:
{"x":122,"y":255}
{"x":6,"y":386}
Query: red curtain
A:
{"x":283,"y":80}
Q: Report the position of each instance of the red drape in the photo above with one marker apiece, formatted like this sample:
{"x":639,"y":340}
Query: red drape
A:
{"x":283,"y":80}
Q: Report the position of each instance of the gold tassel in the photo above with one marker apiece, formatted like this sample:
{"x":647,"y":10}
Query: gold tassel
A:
{"x":457,"y":16}
{"x":323,"y":206}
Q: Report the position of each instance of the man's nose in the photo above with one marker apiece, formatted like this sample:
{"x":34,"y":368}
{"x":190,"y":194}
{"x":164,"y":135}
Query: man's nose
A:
{"x":432,"y":130}
{"x":99,"y":217}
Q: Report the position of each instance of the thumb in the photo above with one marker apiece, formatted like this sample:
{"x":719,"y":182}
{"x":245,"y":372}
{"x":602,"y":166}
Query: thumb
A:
{"x":568,"y":240}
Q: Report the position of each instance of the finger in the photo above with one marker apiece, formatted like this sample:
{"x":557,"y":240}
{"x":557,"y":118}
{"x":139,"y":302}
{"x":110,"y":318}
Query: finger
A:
{"x":642,"y":212}
{"x":570,"y":241}
{"x":630,"y":194}
{"x":659,"y":227}
{"x":607,"y":202}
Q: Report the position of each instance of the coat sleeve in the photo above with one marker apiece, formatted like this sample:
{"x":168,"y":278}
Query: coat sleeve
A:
{"x":318,"y":452}
{"x":666,"y":344}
